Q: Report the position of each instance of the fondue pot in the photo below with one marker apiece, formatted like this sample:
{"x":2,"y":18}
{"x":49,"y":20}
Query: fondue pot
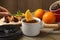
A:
{"x":55,"y":8}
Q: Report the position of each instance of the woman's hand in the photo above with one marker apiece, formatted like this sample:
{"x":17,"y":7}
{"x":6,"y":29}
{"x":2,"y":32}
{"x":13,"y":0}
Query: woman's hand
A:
{"x":4,"y":12}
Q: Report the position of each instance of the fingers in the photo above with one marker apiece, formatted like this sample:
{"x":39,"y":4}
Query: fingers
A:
{"x":2,"y":14}
{"x":2,"y":9}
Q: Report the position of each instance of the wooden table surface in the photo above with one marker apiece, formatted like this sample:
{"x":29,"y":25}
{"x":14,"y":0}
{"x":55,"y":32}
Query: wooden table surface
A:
{"x":42,"y":36}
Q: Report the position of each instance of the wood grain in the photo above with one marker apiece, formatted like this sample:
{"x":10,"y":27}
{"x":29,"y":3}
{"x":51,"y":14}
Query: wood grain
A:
{"x":51,"y":25}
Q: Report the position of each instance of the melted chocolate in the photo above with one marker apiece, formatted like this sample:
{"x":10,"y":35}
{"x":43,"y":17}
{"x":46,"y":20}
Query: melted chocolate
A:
{"x":33,"y":21}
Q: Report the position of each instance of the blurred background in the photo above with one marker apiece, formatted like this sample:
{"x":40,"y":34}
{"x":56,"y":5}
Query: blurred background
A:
{"x":23,"y":5}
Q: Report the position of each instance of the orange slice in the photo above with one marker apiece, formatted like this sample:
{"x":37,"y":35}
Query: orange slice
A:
{"x":28,"y":16}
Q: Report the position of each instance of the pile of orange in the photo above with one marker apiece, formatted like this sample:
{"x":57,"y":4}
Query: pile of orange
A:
{"x":47,"y":17}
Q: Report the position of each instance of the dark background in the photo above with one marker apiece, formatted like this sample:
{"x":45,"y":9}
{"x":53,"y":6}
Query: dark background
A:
{"x":23,"y":5}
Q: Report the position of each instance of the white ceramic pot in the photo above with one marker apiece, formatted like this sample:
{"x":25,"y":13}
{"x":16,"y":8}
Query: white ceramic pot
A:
{"x":32,"y":29}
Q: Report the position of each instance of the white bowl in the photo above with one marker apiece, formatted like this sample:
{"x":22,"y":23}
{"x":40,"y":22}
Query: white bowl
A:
{"x":32,"y":29}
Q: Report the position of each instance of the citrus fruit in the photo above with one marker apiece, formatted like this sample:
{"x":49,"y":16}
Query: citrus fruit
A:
{"x":28,"y":16}
{"x":49,"y":18}
{"x":39,"y":13}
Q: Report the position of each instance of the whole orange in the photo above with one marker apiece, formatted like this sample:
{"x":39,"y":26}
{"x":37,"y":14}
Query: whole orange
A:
{"x":49,"y":18}
{"x":39,"y":13}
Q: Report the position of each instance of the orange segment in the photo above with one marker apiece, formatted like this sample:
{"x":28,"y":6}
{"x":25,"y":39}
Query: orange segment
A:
{"x":28,"y":16}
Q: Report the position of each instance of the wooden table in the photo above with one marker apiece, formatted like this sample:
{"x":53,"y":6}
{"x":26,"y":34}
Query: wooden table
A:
{"x":42,"y":36}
